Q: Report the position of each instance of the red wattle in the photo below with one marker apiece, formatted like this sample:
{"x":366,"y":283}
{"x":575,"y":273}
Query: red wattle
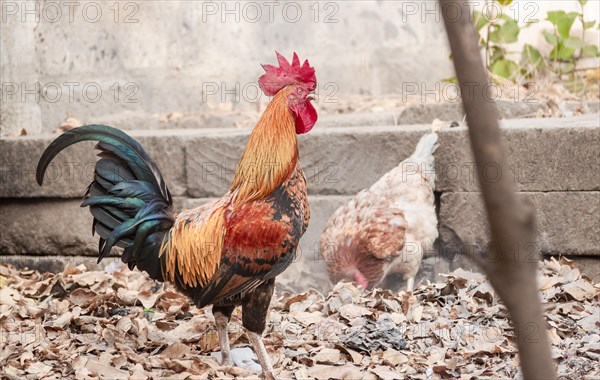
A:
{"x":305,"y":117}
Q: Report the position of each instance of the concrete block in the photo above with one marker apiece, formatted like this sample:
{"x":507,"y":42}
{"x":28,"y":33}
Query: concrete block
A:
{"x":425,"y":113}
{"x":46,"y":227}
{"x":336,"y":161}
{"x":168,"y":152}
{"x":543,"y":155}
{"x":358,"y":119}
{"x":56,"y":264}
{"x":72,"y":170}
{"x":47,"y":233}
{"x":50,"y":227}
{"x":68,"y":175}
{"x":210,"y":163}
{"x":567,"y":222}
{"x":342,"y":161}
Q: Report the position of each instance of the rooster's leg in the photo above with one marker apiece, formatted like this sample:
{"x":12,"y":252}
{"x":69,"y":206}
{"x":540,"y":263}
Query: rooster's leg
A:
{"x":410,"y":284}
{"x":261,"y":351}
{"x":222,"y":316}
{"x":255,"y":308}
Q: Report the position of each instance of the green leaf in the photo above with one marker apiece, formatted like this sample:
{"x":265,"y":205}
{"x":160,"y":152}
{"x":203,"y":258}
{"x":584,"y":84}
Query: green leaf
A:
{"x":497,"y":53}
{"x":479,"y":20}
{"x":590,"y":51}
{"x":589,"y":24}
{"x":506,"y":33}
{"x":554,"y":16}
{"x":563,"y":53}
{"x":505,"y":68}
{"x":551,"y":38}
{"x":532,"y":56}
{"x":574,"y":43}
{"x":583,"y":2}
{"x":504,"y":2}
{"x":563,"y":21}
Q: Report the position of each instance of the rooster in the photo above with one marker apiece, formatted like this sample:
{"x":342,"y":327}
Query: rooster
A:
{"x":385,"y":229}
{"x":227,"y":252}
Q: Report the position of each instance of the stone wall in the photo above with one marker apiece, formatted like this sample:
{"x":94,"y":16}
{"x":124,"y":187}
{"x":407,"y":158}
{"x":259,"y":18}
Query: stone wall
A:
{"x":132,"y":60}
{"x":554,"y":163}
{"x":130,"y":63}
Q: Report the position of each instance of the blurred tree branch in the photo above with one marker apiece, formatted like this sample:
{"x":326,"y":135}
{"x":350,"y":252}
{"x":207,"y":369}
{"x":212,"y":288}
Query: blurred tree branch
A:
{"x":512,"y":223}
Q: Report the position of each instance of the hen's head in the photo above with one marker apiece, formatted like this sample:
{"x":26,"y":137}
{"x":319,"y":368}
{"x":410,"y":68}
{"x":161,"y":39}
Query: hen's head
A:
{"x":352,"y":263}
{"x":299,"y":81}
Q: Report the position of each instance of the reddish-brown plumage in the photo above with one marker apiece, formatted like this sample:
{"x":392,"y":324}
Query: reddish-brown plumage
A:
{"x":251,"y":230}
{"x":386,"y":228}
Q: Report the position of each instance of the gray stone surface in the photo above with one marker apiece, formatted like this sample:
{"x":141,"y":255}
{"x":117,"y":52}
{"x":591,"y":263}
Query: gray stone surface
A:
{"x":60,"y":226}
{"x":528,"y":108}
{"x":32,"y":232}
{"x":168,"y":55}
{"x":71,"y":171}
{"x":425,"y":113}
{"x":68,"y":175}
{"x":56,"y":263}
{"x":568,"y":222}
{"x":346,"y":160}
{"x":337,"y":161}
{"x":360,"y":119}
{"x":543,"y":155}
{"x":46,"y":227}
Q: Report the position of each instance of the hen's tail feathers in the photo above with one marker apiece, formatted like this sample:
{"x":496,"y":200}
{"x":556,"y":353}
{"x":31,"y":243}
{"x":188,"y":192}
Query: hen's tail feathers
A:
{"x":128,"y":197}
{"x":423,"y":155}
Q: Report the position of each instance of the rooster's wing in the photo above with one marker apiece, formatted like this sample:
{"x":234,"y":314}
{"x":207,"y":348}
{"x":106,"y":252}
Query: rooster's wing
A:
{"x":259,"y":244}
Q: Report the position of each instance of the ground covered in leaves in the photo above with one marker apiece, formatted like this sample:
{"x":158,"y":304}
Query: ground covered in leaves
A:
{"x":121,"y":325}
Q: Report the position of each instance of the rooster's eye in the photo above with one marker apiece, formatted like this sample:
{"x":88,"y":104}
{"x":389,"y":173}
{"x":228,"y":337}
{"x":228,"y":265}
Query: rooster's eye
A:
{"x":299,"y":91}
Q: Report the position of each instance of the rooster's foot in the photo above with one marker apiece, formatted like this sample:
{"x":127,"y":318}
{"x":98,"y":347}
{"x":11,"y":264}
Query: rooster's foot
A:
{"x":268,"y":375}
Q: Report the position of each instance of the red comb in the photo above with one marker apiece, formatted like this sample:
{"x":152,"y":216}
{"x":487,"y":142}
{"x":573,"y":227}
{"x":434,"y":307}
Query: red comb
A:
{"x":277,"y":78}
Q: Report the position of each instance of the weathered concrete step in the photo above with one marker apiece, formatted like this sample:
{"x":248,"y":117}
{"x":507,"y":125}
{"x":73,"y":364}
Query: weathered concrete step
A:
{"x":427,"y":112}
{"x":568,"y":225}
{"x":56,"y":263}
{"x":71,"y":171}
{"x":545,"y":155}
{"x":568,"y":222}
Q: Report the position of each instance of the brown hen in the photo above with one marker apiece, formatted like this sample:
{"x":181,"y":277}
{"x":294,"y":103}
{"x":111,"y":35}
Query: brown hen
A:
{"x":385,"y":229}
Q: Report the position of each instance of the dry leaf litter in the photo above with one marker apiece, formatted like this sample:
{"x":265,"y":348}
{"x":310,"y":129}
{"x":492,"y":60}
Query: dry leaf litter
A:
{"x":118,"y":324}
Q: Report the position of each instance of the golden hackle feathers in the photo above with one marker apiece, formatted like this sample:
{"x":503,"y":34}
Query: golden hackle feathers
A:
{"x":195,"y":244}
{"x":271,"y":153}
